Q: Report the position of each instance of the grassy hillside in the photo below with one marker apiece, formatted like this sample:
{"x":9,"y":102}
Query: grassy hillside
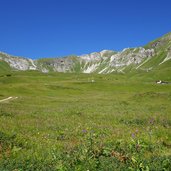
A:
{"x":67,"y":122}
{"x":4,"y":67}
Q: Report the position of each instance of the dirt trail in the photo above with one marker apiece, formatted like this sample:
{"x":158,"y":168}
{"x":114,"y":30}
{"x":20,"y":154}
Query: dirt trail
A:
{"x":9,"y":98}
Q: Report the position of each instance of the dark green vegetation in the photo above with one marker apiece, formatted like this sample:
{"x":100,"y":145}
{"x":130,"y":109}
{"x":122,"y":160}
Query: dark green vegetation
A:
{"x":66,"y":122}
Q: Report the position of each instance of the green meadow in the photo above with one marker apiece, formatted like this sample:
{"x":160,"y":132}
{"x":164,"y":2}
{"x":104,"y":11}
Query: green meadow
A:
{"x":68,"y":122}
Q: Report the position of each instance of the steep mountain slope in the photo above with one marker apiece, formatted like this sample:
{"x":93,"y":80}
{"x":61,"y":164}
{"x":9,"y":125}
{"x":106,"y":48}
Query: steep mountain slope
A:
{"x":154,"y":55}
{"x":162,"y":46}
{"x":18,"y":63}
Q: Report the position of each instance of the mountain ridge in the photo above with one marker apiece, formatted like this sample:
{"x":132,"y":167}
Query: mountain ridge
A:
{"x":145,"y":58}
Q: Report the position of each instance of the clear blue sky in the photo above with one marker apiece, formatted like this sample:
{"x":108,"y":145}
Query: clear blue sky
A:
{"x":50,"y":28}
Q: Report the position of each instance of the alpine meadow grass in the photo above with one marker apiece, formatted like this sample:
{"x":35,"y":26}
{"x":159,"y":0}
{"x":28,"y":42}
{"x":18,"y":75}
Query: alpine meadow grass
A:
{"x":67,"y":122}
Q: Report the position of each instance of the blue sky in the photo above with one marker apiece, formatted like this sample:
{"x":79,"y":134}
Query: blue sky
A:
{"x":51,"y":28}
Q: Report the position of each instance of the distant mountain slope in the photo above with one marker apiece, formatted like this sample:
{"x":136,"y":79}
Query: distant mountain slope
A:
{"x":154,"y":55}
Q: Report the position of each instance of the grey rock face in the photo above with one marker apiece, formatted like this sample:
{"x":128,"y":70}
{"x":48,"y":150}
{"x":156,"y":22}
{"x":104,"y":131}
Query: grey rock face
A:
{"x":18,"y":63}
{"x":130,"y":56}
{"x":56,"y":65}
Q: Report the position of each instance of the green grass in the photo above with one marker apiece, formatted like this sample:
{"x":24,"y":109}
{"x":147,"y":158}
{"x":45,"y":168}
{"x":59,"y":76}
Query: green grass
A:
{"x":65,"y":122}
{"x":4,"y":67}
